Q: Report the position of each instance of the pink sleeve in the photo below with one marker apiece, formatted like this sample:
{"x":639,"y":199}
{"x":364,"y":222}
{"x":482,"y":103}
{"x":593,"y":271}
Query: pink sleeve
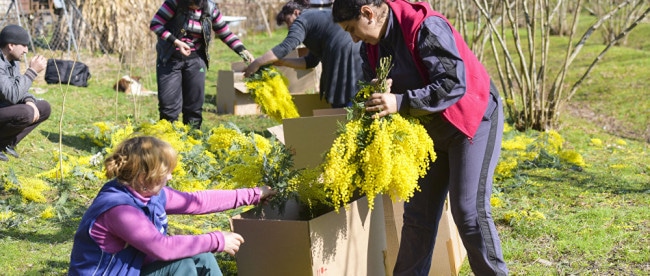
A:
{"x":133,"y":227}
{"x":209,"y":201}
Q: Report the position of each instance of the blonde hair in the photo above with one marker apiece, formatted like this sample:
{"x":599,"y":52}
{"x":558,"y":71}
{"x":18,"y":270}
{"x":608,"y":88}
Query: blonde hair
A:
{"x":141,"y":162}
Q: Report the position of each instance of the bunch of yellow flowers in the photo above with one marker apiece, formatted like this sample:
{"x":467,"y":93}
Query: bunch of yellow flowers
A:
{"x":376,"y":156}
{"x":268,"y":87}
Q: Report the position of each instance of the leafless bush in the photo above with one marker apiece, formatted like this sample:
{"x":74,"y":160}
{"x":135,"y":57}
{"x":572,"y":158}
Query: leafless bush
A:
{"x":533,"y":91}
{"x":619,"y":21}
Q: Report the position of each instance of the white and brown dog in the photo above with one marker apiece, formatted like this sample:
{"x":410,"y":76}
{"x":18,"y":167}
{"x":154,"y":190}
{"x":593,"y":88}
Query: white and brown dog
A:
{"x":132,"y":86}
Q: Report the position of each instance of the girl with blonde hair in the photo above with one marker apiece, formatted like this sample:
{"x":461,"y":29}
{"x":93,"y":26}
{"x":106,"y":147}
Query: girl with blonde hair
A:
{"x":124,"y":231}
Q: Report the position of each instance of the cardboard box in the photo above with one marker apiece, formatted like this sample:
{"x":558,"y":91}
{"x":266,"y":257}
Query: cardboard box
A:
{"x":308,"y":103}
{"x":449,"y":252}
{"x":302,"y":80}
{"x":233,"y":97}
{"x":350,"y":242}
{"x":310,"y":138}
{"x":329,"y":111}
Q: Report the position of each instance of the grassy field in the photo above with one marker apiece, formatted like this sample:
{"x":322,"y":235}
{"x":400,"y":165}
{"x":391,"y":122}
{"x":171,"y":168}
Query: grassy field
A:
{"x":595,"y":219}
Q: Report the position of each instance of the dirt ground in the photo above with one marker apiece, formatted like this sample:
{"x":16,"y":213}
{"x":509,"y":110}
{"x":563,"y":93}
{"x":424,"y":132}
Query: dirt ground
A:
{"x":609,"y":124}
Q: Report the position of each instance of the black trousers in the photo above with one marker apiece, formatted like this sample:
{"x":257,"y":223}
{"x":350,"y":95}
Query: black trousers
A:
{"x":181,"y":88}
{"x":16,"y":121}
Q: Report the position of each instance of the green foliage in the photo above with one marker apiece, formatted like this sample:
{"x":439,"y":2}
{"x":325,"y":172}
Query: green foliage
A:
{"x":279,"y":173}
{"x":227,"y":263}
{"x":595,"y":219}
{"x":199,"y":164}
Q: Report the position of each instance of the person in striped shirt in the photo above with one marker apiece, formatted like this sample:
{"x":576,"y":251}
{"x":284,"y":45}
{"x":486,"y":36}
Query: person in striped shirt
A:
{"x":184,"y":29}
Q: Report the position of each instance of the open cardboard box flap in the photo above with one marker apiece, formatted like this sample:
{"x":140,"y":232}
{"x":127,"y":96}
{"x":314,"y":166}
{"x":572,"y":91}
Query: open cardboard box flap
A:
{"x":278,"y":132}
{"x":309,"y":138}
{"x":348,"y":242}
{"x":241,"y":87}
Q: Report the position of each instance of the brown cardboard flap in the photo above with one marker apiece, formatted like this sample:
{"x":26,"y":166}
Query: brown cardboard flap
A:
{"x":278,"y":132}
{"x":273,"y":247}
{"x":300,"y":80}
{"x":239,"y":83}
{"x":241,"y":87}
{"x":307,"y":103}
{"x":230,"y":97}
{"x":358,"y":247}
{"x":329,"y":111}
{"x":238,"y":66}
{"x":311,"y":137}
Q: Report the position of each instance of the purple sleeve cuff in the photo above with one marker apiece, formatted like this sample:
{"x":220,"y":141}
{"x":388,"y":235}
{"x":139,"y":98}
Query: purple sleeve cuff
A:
{"x":221,"y":241}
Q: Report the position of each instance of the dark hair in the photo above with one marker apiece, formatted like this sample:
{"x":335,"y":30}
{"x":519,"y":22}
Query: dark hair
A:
{"x":289,"y":8}
{"x":345,"y":10}
{"x":202,"y":4}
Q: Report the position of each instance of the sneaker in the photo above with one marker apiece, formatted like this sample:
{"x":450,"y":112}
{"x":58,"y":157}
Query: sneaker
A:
{"x":3,"y":157}
{"x":11,"y":151}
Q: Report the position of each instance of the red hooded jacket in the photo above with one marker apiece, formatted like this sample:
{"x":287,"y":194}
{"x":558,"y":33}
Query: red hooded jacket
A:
{"x":467,"y":113}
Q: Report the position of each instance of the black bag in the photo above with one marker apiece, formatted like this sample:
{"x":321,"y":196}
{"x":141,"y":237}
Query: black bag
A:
{"x":79,"y":71}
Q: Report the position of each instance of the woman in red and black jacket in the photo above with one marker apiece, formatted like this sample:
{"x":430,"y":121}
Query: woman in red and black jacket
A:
{"x":435,"y":75}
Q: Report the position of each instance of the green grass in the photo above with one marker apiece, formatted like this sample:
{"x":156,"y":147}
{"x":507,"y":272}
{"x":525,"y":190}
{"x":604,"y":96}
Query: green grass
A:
{"x":597,"y":220}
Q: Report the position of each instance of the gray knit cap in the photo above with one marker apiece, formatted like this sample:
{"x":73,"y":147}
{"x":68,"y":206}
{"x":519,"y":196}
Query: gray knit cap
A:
{"x":14,"y":34}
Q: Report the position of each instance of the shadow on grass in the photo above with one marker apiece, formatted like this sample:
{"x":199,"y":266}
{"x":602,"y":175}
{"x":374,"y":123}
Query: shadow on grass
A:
{"x":603,"y":181}
{"x":589,"y":180}
{"x":211,"y":99}
{"x":66,"y":231}
{"x":53,"y":268}
{"x":72,"y":141}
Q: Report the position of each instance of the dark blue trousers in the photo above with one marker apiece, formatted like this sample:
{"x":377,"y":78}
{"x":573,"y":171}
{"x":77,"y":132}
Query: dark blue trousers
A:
{"x":181,"y":88}
{"x":464,"y":168}
{"x":204,"y":264}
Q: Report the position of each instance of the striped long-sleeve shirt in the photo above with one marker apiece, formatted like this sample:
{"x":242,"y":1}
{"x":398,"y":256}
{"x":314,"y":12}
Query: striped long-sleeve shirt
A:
{"x":193,"y":35}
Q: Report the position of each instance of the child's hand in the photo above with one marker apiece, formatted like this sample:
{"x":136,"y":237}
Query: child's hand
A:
{"x":247,"y":56}
{"x":266,"y":192}
{"x":183,"y":47}
{"x":232,"y":242}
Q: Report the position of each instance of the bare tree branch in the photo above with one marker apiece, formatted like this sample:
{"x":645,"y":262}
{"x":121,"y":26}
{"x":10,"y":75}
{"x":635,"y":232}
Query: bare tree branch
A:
{"x":555,"y":92}
{"x":597,"y":59}
{"x":593,"y":28}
